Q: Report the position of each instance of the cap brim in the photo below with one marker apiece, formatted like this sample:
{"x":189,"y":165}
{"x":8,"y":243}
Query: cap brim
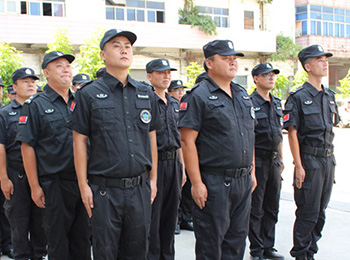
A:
{"x":327,"y":54}
{"x":165,"y":68}
{"x":68,"y":57}
{"x":130,"y":35}
{"x":229,"y":53}
{"x":27,"y":76}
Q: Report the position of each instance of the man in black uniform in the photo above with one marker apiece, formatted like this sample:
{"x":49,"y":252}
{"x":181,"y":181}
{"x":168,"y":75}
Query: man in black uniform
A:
{"x":119,"y":116}
{"x":217,"y":137}
{"x":47,"y":151}
{"x":28,"y":237}
{"x":268,"y":164}
{"x":79,"y":79}
{"x":176,"y":89}
{"x":170,"y":170}
{"x":11,"y":93}
{"x":309,"y":116}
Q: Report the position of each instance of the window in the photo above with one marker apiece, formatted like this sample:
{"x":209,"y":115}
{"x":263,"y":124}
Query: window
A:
{"x":7,"y":6}
{"x":249,"y":20}
{"x":219,"y":15}
{"x":43,"y":8}
{"x":135,"y":10}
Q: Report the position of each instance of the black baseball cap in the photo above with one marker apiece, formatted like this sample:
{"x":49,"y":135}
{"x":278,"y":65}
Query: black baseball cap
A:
{"x":54,"y":55}
{"x":1,"y":83}
{"x":312,"y":52}
{"x":22,"y":73}
{"x":11,"y":90}
{"x":264,"y":68}
{"x":158,"y":65}
{"x":80,"y":78}
{"x":110,"y":34}
{"x":100,"y":72}
{"x":221,"y":47}
{"x":175,"y":84}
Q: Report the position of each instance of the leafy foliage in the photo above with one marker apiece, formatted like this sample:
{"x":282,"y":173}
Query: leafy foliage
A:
{"x":299,"y":79}
{"x":192,"y":72}
{"x":285,"y":49}
{"x":345,"y":86}
{"x":10,"y":60}
{"x":281,"y":87}
{"x":265,"y":1}
{"x":89,"y":59}
{"x":61,"y":42}
{"x":190,"y":15}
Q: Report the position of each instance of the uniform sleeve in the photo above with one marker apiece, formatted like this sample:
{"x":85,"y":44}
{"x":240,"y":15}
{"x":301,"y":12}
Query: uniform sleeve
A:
{"x":155,"y":121}
{"x":190,"y":112}
{"x":2,"y":129}
{"x":291,"y":114}
{"x":79,"y":119}
{"x":28,"y":125}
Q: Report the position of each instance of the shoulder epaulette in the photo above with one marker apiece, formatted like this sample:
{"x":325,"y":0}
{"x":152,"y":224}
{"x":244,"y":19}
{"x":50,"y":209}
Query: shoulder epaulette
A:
{"x":296,"y":90}
{"x":30,"y":99}
{"x":332,"y":91}
{"x":193,"y":88}
{"x":146,"y":84}
{"x":277,"y":98}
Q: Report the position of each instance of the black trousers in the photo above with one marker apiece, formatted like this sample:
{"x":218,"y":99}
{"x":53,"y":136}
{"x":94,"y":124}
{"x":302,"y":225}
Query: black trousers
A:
{"x":186,"y":203}
{"x":265,"y":205}
{"x":120,"y":221}
{"x":311,"y":201}
{"x":5,"y":230}
{"x":221,"y":227}
{"x":164,"y":210}
{"x":65,"y":220}
{"x":26,"y":219}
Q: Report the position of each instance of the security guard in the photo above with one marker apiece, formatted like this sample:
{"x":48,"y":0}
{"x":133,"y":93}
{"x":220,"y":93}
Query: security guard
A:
{"x":268,"y":164}
{"x":176,"y":89}
{"x":28,"y":237}
{"x":79,"y":79}
{"x":217,"y":136}
{"x":11,"y":93}
{"x":170,"y":170}
{"x":310,"y":114}
{"x":47,"y":151}
{"x":119,"y":116}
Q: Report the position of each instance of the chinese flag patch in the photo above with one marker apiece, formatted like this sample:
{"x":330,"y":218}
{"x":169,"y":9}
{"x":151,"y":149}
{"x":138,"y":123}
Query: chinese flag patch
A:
{"x":285,"y":117}
{"x":22,"y":120}
{"x":72,"y":106}
{"x":183,"y":106}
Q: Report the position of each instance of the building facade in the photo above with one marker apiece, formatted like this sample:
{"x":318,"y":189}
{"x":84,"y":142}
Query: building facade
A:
{"x":29,"y":25}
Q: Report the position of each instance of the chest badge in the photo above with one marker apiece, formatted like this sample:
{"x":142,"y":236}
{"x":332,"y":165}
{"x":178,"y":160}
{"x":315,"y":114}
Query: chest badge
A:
{"x":252,"y":112}
{"x":12,"y":113}
{"x":279,"y":108}
{"x":257,"y":109}
{"x":213,"y":97}
{"x":142,"y":96}
{"x":176,"y":110}
{"x":331,"y":102}
{"x":308,"y":102}
{"x":145,"y":116}
{"x":246,"y":97}
{"x":49,"y":110}
{"x":101,"y":96}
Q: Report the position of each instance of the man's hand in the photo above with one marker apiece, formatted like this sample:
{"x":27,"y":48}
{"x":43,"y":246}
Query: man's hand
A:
{"x":200,"y":194}
{"x":299,"y":177}
{"x":153,"y":190}
{"x":86,"y":197}
{"x":7,"y":188}
{"x":38,"y":197}
{"x":184,"y":178}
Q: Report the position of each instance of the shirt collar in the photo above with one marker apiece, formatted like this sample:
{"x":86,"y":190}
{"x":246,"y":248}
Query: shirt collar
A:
{"x":260,"y":99}
{"x":53,"y":95}
{"x":113,"y":83}
{"x":312,"y":90}
{"x":15,"y":104}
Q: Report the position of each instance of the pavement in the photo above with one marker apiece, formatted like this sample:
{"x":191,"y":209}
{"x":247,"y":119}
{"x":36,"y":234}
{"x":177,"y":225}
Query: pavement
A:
{"x":335,"y":241}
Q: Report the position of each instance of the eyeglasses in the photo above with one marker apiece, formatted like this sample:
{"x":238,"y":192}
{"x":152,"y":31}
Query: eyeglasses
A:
{"x":179,"y":90}
{"x":269,"y":76}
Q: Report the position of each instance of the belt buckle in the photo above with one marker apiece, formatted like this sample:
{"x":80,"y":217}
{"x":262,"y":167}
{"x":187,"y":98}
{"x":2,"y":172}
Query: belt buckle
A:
{"x":328,"y":152}
{"x":274,"y":155}
{"x":168,"y":155}
{"x":127,"y":183}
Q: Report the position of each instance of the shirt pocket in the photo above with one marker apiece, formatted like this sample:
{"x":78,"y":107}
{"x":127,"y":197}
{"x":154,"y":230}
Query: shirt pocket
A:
{"x":57,"y":126}
{"x":334,"y":114}
{"x":312,"y":116}
{"x":262,"y":118}
{"x":103,"y":112}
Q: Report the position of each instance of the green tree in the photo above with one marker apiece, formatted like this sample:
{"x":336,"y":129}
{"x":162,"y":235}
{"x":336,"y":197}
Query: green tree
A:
{"x":344,"y":88}
{"x":192,"y":72}
{"x":299,"y":79}
{"x":61,"y":42}
{"x":10,"y":60}
{"x":190,"y":15}
{"x":89,"y":60}
{"x":285,"y":49}
{"x":281,"y":87}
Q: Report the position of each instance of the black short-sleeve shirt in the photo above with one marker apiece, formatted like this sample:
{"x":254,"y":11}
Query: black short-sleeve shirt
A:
{"x":42,"y":125}
{"x":269,"y":115}
{"x":225,"y":125}
{"x":8,"y":130}
{"x":168,"y":135}
{"x":313,"y":114}
{"x":117,"y":121}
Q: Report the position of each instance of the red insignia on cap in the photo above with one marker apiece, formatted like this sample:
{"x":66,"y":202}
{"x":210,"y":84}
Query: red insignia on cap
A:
{"x":285,"y":117}
{"x":183,"y":106}
{"x":72,"y":106}
{"x":22,"y":120}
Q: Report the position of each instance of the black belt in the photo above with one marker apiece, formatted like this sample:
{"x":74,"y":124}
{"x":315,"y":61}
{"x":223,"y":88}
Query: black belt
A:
{"x":266,"y":154}
{"x":16,"y":166}
{"x":328,"y":152}
{"x":124,"y":183}
{"x":234,"y":173}
{"x":167,"y":155}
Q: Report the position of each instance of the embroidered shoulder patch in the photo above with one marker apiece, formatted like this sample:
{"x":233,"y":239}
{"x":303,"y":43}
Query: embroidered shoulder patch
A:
{"x":183,"y":106}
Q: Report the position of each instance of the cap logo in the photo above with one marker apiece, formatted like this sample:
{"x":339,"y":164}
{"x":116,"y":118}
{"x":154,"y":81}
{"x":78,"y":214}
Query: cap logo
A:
{"x":28,"y":71}
{"x":230,"y":45}
{"x":165,"y":63}
{"x":179,"y":82}
{"x":59,"y":53}
{"x":84,"y":77}
{"x":320,"y":48}
{"x":268,"y":66}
